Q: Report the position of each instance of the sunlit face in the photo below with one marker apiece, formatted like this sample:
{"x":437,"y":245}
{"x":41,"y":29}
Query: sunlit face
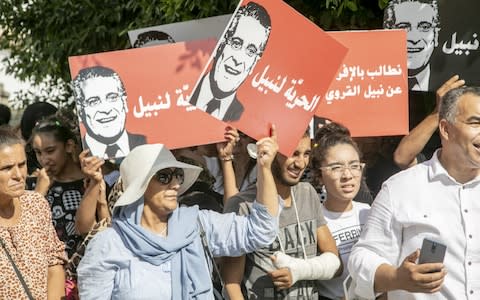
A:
{"x":341,"y":185}
{"x":13,"y":171}
{"x":162,"y":198}
{"x":52,"y":155}
{"x":104,"y":108}
{"x":239,"y":55}
{"x":464,"y":133}
{"x":289,"y":170}
{"x":422,"y":34}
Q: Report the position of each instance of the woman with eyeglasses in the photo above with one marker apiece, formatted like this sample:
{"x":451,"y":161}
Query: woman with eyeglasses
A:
{"x":336,"y":165}
{"x":154,"y":249}
{"x":31,"y":255}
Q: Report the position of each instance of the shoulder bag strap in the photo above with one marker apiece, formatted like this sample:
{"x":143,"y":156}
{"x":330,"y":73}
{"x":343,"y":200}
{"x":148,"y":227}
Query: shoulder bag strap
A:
{"x":17,"y":271}
{"x":208,"y":253}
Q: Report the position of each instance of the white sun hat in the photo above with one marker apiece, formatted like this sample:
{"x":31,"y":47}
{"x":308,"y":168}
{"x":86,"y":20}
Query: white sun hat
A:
{"x":142,"y":163}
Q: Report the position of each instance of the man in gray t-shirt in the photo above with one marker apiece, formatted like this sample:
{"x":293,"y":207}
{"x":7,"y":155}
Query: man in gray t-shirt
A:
{"x":302,"y":231}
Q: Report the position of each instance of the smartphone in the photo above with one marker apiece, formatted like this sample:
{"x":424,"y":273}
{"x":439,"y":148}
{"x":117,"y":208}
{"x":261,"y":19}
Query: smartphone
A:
{"x":432,"y":252}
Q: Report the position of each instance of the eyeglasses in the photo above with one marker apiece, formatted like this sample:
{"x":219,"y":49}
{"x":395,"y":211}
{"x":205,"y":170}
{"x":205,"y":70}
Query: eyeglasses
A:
{"x":96,"y":100}
{"x":338,"y":170}
{"x":237,"y":43}
{"x":422,"y":26}
{"x":165,"y":176}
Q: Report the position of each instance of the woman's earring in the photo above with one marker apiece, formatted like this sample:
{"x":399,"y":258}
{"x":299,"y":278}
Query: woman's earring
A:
{"x":323,"y":193}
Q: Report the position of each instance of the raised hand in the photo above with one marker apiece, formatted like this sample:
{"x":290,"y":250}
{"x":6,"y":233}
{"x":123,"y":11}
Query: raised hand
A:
{"x":267,"y":149}
{"x":225,"y":149}
{"x":91,"y":166}
{"x":43,"y":181}
{"x":452,"y":83}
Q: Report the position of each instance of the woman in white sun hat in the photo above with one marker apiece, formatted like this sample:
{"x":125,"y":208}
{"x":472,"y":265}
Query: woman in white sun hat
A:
{"x":154,"y":249}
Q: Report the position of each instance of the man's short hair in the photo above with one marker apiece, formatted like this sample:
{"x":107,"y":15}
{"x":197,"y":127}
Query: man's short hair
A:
{"x":449,"y":104}
{"x":389,"y":19}
{"x":93,"y":72}
{"x":255,"y":11}
{"x":152,"y":35}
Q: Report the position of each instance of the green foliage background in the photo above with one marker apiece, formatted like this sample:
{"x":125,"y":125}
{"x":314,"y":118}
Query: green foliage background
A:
{"x":42,"y":34}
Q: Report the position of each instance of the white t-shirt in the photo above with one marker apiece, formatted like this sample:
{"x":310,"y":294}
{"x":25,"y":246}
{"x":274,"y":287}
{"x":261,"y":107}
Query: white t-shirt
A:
{"x":345,"y":228}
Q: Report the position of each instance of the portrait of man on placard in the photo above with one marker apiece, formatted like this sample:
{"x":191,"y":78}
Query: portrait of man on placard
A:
{"x":420,"y":19}
{"x":102,"y":107}
{"x":240,"y":49}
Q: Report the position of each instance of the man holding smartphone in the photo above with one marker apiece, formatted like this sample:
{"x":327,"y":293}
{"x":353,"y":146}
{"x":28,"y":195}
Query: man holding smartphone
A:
{"x":436,"y":200}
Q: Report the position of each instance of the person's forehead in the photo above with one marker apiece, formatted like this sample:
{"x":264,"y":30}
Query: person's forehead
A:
{"x":249,"y":28}
{"x":11,"y":154}
{"x":341,"y":152}
{"x":414,"y":11}
{"x":468,"y":106}
{"x":304,"y":145}
{"x":44,"y":139}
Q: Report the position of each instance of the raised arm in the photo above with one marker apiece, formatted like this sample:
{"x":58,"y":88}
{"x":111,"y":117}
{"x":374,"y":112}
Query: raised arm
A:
{"x":266,"y":189}
{"x":225,"y":155}
{"x":94,"y":198}
{"x":413,"y":143}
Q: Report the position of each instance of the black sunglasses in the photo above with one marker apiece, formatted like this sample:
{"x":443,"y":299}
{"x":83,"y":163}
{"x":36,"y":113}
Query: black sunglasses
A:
{"x":165,"y":176}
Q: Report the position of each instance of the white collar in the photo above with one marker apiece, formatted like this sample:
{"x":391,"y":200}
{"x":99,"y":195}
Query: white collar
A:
{"x":205,"y":95}
{"x":98,"y":148}
{"x":423,"y":78}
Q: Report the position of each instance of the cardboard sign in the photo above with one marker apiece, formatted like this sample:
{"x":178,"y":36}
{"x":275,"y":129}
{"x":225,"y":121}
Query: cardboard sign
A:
{"x":179,"y":32}
{"x":369,"y":94}
{"x":151,"y":101}
{"x":272,"y":65}
{"x":442,"y":40}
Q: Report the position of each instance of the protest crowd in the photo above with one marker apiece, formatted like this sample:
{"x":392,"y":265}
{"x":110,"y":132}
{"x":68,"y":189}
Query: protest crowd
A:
{"x":89,"y":210}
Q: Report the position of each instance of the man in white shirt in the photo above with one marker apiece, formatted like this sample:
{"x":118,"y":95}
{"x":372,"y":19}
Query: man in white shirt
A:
{"x":439,"y":200}
{"x":102,"y":105}
{"x":421,"y":21}
{"x":238,"y":53}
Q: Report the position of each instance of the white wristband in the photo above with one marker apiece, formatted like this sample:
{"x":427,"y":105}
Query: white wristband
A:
{"x":321,"y":267}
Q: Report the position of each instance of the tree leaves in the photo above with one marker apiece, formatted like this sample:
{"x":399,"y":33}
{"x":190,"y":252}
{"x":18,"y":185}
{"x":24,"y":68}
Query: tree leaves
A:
{"x":42,"y":34}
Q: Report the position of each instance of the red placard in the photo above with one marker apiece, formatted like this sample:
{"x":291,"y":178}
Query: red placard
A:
{"x":369,"y":94}
{"x":158,"y":81}
{"x":279,"y":79}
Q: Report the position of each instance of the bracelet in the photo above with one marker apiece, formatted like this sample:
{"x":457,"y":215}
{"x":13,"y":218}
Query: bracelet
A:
{"x":227,"y":158}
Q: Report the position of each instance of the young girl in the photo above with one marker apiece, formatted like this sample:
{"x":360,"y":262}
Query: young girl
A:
{"x":60,"y":178}
{"x":336,"y":164}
